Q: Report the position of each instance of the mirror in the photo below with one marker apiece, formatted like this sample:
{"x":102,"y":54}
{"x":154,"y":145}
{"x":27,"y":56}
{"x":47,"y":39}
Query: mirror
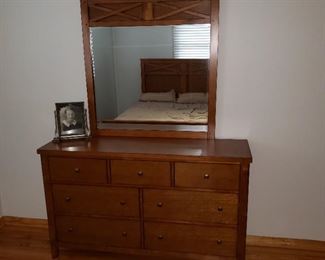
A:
{"x":151,"y":76}
{"x":155,"y":74}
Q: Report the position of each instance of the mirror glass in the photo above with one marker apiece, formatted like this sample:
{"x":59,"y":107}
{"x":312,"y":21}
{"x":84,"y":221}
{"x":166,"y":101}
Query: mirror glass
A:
{"x":151,"y":75}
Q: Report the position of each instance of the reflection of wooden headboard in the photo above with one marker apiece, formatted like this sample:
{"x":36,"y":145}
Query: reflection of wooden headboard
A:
{"x":182,"y":75}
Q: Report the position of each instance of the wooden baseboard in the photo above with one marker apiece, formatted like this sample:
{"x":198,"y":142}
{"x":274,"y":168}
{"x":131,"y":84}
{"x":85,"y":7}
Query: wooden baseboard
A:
{"x":24,"y":222}
{"x":286,"y":243}
{"x":312,"y":246}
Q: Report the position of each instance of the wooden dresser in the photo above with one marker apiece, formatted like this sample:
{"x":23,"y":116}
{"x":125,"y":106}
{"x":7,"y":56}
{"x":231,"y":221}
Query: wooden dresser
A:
{"x":148,"y":196}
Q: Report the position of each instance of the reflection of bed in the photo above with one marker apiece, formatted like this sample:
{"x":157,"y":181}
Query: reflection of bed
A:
{"x":166,"y":112}
{"x":163,"y":75}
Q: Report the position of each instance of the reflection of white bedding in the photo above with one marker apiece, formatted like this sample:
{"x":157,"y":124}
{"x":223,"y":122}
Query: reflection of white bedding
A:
{"x":165,"y":111}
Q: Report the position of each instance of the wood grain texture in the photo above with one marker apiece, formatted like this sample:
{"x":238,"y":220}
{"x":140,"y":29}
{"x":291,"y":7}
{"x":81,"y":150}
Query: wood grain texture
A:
{"x":140,"y":173}
{"x":181,"y":75}
{"x":213,"y":68}
{"x":96,"y":201}
{"x":82,"y":230}
{"x":211,"y":176}
{"x":147,"y":131}
{"x":73,"y":170}
{"x":242,"y":211}
{"x":198,"y":212}
{"x":208,"y":207}
{"x":88,"y":67}
{"x":189,"y":238}
{"x":23,"y":238}
{"x":49,"y":206}
{"x":143,"y":12}
{"x":217,"y":150}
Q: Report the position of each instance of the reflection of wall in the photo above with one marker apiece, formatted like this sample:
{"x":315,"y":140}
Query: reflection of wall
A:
{"x":117,"y":55}
{"x":130,"y":45}
{"x":105,"y":92}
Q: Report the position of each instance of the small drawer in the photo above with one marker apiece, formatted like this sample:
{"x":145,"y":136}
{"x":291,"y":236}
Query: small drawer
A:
{"x":190,"y":239}
{"x":105,"y":232}
{"x":104,"y":201}
{"x":208,"y":176}
{"x":70,"y":170}
{"x":140,"y":173}
{"x":202,"y":207}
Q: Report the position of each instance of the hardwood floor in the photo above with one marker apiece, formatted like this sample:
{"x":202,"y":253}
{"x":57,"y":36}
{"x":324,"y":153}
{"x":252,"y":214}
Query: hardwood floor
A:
{"x":29,"y":240}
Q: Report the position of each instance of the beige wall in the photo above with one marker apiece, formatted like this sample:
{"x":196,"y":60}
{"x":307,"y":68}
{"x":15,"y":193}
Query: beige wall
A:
{"x":271,"y":90}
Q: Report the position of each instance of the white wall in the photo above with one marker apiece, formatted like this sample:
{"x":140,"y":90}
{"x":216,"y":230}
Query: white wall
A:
{"x":1,"y":91}
{"x":43,"y":65}
{"x":117,"y":53}
{"x":130,"y":46}
{"x":105,"y":90}
{"x":271,"y":90}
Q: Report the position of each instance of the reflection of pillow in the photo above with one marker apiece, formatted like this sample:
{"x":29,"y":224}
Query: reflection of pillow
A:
{"x":159,"y":96}
{"x":193,"y":97}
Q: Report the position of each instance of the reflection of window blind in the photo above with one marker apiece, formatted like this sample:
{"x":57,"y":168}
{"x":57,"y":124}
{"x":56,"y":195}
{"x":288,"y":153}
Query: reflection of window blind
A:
{"x":191,"y":41}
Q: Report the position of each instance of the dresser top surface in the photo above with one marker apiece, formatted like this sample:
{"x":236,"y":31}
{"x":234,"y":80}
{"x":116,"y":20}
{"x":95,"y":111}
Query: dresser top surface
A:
{"x":218,"y":148}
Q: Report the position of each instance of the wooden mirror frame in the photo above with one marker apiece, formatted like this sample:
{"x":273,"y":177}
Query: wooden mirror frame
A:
{"x":146,"y":7}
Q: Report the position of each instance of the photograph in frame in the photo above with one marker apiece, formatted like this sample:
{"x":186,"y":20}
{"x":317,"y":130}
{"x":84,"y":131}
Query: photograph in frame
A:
{"x":70,"y":120}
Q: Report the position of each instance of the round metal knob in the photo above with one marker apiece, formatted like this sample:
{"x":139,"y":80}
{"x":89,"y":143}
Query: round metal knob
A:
{"x":219,"y":242}
{"x":140,"y":173}
{"x":220,"y":209}
{"x":160,"y":237}
{"x":160,"y":204}
{"x":70,"y":229}
{"x":124,"y":234}
{"x":76,"y":170}
{"x":122,"y":203}
{"x":67,"y":199}
{"x":206,"y":176}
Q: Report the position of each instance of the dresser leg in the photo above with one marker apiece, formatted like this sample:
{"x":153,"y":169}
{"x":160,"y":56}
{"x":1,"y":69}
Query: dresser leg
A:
{"x":54,"y":250}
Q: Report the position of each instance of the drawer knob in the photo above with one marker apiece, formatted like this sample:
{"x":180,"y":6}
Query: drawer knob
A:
{"x":140,"y":173}
{"x":220,"y":209}
{"x":70,"y":229}
{"x":219,"y":242}
{"x":160,"y":237}
{"x":122,"y":203}
{"x":124,"y":234}
{"x":206,"y":176}
{"x":160,"y":204}
{"x":67,"y":199}
{"x":76,"y":170}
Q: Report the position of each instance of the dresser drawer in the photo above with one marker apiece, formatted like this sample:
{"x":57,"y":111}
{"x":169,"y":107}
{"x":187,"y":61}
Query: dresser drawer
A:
{"x":117,"y":233}
{"x":190,"y":238}
{"x":78,"y":170}
{"x":194,"y":206}
{"x":87,"y":200}
{"x":209,"y":176}
{"x":140,"y":173}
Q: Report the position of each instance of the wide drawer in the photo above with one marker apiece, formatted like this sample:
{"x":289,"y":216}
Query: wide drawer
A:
{"x":193,"y":206}
{"x":140,"y":173}
{"x":72,"y":170}
{"x":190,"y":238}
{"x":88,"y":200}
{"x":207,"y":175}
{"x":115,"y":233}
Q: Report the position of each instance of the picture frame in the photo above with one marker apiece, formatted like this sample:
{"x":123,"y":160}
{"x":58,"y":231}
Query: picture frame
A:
{"x":70,"y":121}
